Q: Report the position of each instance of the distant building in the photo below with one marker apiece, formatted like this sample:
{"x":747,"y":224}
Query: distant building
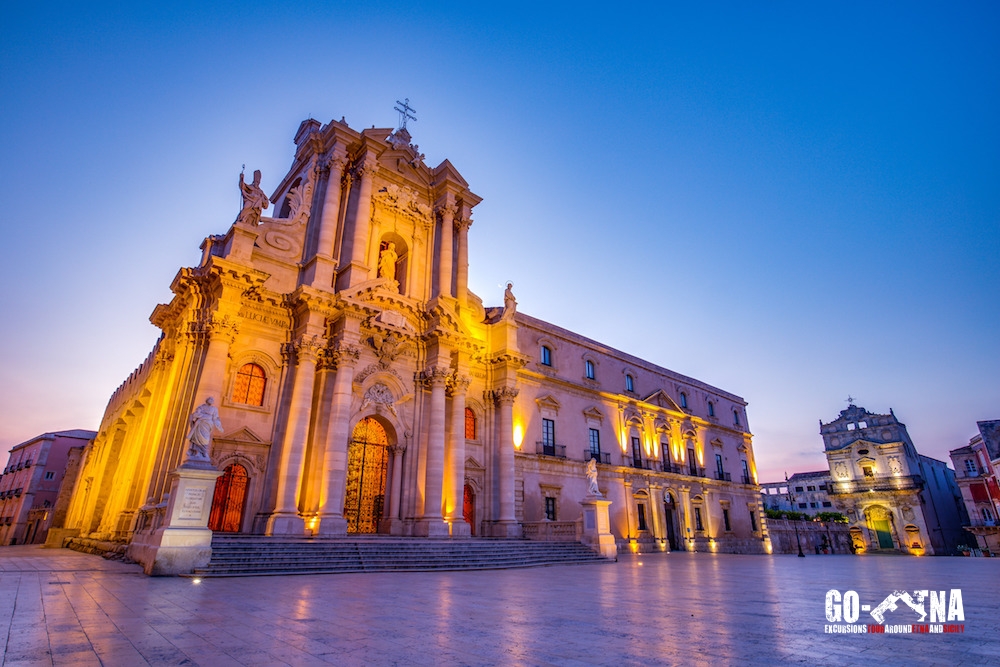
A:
{"x":30,"y":482}
{"x":806,"y":492}
{"x":894,"y":498}
{"x":976,"y":467}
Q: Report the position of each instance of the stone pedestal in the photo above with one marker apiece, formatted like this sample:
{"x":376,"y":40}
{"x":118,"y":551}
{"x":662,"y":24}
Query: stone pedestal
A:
{"x":505,"y":529}
{"x":597,"y":526}
{"x":430,"y":528}
{"x":184,"y":541}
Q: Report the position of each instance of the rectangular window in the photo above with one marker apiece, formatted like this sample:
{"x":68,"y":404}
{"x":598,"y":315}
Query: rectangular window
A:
{"x":549,"y":437}
{"x":50,"y":475}
{"x":746,"y":472}
{"x":642,"y":516}
{"x":753,"y":522}
{"x":813,"y":505}
{"x":827,"y":503}
{"x":665,"y":450}
{"x":697,"y":519}
{"x":692,"y":464}
{"x":590,"y":369}
{"x":718,"y":466}
{"x":550,"y":509}
{"x":810,"y":488}
{"x":636,"y":453}
{"x":802,"y":506}
{"x":798,"y":489}
{"x":725,"y":519}
{"x":595,"y":443}
{"x":546,"y":356}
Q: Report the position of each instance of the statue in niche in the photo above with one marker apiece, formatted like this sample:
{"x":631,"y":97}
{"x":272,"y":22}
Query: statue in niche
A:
{"x":509,"y":302}
{"x":387,"y":262}
{"x":592,"y":488}
{"x":203,"y":421}
{"x":254,"y":201}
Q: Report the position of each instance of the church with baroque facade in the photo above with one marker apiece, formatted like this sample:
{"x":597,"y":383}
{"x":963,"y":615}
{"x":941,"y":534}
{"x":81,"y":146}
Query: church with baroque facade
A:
{"x":362,"y":388}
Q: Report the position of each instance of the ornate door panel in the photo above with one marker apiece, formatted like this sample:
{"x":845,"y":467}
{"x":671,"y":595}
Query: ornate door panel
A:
{"x":367,"y":463}
{"x":469,"y":508}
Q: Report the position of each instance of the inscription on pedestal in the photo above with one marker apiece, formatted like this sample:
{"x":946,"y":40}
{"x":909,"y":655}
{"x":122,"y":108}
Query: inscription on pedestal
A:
{"x":589,"y":522}
{"x":192,"y":504}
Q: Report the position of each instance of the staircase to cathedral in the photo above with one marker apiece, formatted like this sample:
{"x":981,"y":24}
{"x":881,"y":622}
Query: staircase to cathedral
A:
{"x":255,"y":555}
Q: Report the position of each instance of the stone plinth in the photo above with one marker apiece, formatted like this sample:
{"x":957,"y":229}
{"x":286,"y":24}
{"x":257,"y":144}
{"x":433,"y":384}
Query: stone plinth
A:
{"x":597,"y":526}
{"x":184,"y":541}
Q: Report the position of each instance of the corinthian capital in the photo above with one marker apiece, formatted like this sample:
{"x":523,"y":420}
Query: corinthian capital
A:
{"x":367,"y":167}
{"x":307,"y":348}
{"x":504,"y":395}
{"x":458,"y":385}
{"x":462,"y":224}
{"x":447,"y":210}
{"x":435,"y":376}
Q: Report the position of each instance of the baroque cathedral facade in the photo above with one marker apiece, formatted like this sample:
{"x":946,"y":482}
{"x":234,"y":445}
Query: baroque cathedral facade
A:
{"x":362,"y":388}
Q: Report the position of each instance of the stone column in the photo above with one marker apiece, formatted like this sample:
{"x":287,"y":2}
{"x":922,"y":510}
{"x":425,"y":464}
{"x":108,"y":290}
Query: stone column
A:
{"x":462,"y":282}
{"x":431,"y":522}
{"x":331,"y":512}
{"x":285,"y":519}
{"x":397,"y":484}
{"x":455,"y":460}
{"x":685,"y":510}
{"x":357,"y":270}
{"x":320,"y":270}
{"x":657,"y":525}
{"x":447,"y":211}
{"x":222,"y":332}
{"x":708,"y":514}
{"x":507,"y":521}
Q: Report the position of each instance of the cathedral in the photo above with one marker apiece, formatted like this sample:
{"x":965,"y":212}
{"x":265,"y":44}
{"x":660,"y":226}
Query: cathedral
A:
{"x":357,"y":386}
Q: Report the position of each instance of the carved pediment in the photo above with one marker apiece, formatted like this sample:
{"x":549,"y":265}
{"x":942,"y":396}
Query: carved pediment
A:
{"x":593,"y":413}
{"x":716,"y":442}
{"x":547,"y":402}
{"x":242,"y":434}
{"x":660,"y":398}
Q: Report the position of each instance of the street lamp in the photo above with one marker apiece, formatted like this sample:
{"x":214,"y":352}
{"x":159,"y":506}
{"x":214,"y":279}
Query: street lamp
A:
{"x":794,"y":524}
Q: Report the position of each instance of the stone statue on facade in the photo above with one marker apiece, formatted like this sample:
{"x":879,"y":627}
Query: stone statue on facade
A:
{"x":592,"y":488}
{"x":387,"y":262}
{"x":509,"y":302}
{"x":254,"y":201}
{"x":203,"y":421}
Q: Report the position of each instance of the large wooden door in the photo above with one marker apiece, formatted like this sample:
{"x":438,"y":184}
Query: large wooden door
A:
{"x":367,"y":463}
{"x":229,"y":499}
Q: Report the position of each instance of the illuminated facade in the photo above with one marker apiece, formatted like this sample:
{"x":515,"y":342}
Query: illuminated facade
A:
{"x":976,"y":472}
{"x":895,"y":499}
{"x":363,"y":388}
{"x":806,"y":492}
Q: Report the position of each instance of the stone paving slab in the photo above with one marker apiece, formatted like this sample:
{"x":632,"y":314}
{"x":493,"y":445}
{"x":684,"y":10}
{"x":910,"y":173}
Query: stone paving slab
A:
{"x":59,"y":607}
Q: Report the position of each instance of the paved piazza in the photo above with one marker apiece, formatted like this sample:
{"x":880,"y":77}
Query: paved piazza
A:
{"x":59,"y":607}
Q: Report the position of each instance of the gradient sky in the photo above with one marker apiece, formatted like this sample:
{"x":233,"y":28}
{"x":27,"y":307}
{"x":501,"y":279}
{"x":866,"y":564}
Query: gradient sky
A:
{"x":794,"y":202}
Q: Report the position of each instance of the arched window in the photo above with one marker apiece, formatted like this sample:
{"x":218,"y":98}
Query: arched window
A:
{"x":546,"y":356}
{"x":711,"y":409}
{"x":684,"y":400}
{"x":589,"y":369}
{"x":629,"y":383}
{"x":249,"y":387}
{"x":470,"y":424}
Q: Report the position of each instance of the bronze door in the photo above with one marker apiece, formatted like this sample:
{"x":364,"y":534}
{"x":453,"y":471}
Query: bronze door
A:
{"x":367,"y":463}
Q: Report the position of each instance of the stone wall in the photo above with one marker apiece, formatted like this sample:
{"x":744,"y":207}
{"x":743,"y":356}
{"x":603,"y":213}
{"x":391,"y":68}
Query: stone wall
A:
{"x":811,"y":536}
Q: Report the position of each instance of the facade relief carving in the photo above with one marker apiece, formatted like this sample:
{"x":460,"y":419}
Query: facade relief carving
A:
{"x":381,"y":397}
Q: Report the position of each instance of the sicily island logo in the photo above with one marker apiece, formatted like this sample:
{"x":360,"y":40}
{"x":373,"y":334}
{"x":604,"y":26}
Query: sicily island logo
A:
{"x":901,"y":612}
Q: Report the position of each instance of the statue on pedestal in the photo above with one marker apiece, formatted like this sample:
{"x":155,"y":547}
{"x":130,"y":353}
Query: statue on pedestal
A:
{"x":203,"y":421}
{"x":254,"y":201}
{"x":592,"y":488}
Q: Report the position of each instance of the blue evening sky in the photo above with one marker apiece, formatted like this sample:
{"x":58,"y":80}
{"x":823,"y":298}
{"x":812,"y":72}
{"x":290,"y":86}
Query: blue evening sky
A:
{"x":793,"y":201}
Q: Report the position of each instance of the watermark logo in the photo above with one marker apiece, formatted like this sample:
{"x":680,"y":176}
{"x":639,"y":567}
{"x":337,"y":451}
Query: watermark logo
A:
{"x":901,"y":612}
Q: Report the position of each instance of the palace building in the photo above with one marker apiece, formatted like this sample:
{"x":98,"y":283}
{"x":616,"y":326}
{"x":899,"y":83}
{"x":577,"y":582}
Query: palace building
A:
{"x":362,"y":388}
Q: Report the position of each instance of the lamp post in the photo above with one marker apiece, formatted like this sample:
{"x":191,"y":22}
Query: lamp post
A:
{"x":795,"y":525}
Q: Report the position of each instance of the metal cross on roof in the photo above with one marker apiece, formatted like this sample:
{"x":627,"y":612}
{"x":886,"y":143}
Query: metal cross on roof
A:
{"x":850,"y":400}
{"x":406,"y":113}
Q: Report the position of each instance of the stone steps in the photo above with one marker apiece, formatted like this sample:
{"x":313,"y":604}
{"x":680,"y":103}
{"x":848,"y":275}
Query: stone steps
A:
{"x":251,"y":555}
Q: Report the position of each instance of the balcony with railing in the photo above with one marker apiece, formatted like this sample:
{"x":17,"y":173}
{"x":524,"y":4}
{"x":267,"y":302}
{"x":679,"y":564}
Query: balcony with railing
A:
{"x":550,"y":449}
{"x":879,"y":483}
{"x":723,"y":476}
{"x":600,"y":457}
{"x":644,"y":464}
